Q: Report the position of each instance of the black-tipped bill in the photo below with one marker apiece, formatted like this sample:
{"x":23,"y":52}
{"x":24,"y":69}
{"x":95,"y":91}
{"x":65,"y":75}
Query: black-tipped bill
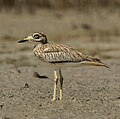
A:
{"x":21,"y":41}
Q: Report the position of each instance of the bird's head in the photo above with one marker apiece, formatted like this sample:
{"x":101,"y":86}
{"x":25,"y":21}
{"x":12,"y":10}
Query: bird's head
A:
{"x":35,"y":37}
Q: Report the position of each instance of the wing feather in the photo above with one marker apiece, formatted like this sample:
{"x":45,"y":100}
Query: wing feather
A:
{"x":61,"y":53}
{"x":58,"y":53}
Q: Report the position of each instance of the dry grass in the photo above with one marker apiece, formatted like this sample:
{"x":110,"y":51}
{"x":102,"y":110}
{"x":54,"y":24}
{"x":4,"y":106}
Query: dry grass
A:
{"x":82,"y":5}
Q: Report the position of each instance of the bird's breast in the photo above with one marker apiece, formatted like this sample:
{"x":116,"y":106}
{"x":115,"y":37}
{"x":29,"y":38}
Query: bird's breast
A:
{"x":38,"y":53}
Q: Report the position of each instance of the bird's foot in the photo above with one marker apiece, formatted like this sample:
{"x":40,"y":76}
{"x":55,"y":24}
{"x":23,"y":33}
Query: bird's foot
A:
{"x":54,"y":99}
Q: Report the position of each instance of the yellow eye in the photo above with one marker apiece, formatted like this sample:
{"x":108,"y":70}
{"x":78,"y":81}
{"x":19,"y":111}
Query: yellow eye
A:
{"x":36,"y":36}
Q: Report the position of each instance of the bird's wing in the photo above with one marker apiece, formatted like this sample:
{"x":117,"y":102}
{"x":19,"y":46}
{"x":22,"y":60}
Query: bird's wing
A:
{"x":58,"y":53}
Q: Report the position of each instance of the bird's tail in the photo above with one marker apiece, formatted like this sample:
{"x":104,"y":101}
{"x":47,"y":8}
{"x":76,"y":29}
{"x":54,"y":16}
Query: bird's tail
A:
{"x":94,"y":63}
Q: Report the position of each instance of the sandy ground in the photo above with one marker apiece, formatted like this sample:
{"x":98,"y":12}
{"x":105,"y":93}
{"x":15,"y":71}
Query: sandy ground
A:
{"x":89,"y":92}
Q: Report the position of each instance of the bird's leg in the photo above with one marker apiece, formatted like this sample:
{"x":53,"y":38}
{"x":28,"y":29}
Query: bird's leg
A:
{"x":61,"y":83}
{"x":55,"y":85}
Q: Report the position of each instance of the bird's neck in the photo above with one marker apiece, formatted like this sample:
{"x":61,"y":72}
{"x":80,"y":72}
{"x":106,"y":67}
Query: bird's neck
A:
{"x":39,"y":43}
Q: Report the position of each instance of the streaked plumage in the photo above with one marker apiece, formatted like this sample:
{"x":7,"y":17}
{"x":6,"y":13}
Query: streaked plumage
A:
{"x":58,"y":53}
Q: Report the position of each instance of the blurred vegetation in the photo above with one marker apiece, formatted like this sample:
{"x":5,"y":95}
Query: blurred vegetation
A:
{"x":82,"y":5}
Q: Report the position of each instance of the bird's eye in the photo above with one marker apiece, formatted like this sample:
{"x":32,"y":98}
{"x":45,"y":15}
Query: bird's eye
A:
{"x":36,"y":36}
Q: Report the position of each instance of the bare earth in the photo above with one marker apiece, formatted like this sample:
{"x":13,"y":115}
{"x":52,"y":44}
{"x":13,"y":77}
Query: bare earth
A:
{"x":89,"y":92}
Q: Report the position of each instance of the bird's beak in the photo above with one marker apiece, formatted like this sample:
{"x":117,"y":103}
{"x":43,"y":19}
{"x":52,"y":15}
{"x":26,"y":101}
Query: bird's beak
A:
{"x":25,"y":39}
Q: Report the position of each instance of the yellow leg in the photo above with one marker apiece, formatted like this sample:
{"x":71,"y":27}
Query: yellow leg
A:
{"x":55,"y":85}
{"x":61,"y":84}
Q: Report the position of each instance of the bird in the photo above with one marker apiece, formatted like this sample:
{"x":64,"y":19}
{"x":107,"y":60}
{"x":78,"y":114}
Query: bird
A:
{"x":58,"y":54}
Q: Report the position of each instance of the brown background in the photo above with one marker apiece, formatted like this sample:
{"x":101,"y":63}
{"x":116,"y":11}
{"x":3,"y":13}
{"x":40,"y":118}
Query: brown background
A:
{"x":91,"y":26}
